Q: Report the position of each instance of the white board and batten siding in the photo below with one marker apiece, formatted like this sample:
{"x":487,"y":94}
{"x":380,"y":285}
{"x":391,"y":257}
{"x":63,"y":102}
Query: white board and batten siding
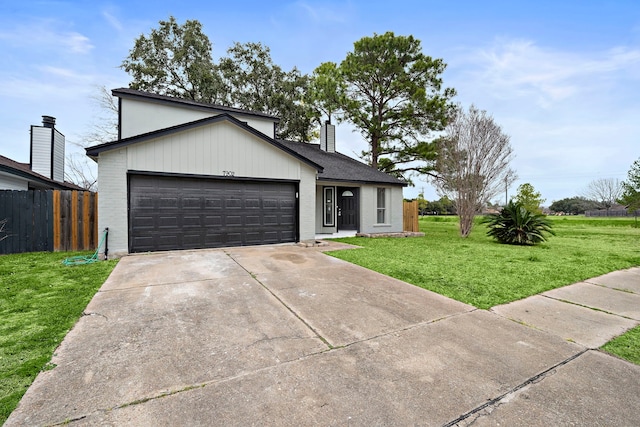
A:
{"x":41,"y":150}
{"x":140,"y":117}
{"x":47,"y":149}
{"x":217,"y":149}
{"x":58,"y":156}
{"x":212,"y":150}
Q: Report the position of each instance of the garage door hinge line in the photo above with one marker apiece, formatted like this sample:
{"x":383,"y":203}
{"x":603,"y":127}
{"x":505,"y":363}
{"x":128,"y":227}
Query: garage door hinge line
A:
{"x":320,"y":337}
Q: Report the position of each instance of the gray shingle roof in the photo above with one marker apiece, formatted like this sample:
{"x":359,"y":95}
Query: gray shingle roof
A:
{"x":24,"y":171}
{"x":338,"y":167}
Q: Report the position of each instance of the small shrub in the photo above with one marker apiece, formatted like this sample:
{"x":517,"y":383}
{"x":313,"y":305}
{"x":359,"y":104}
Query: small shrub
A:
{"x":515,"y":225}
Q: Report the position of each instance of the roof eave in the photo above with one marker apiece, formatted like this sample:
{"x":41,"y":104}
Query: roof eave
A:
{"x":163,"y":99}
{"x":356,"y":181}
{"x":32,"y":177}
{"x":95,"y":151}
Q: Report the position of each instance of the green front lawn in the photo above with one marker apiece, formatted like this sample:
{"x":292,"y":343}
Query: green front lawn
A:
{"x":626,"y":346}
{"x":40,"y":301}
{"x":483,"y":273}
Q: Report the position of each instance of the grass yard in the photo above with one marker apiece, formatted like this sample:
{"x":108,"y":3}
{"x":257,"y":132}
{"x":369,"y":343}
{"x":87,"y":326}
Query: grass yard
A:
{"x":483,"y":273}
{"x":626,"y":346}
{"x":40,"y":301}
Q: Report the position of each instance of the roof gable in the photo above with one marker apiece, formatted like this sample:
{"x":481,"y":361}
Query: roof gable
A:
{"x":94,"y":151}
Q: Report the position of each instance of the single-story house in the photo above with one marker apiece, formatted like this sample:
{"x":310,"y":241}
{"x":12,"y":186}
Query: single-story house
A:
{"x":45,"y":170}
{"x":187,"y":175}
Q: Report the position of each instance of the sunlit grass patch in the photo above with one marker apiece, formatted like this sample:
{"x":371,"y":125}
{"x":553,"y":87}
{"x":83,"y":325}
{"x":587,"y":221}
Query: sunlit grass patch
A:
{"x":40,"y":301}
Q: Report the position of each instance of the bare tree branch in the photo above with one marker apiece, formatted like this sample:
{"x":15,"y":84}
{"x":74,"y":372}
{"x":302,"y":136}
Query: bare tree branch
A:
{"x":606,"y":191}
{"x":473,"y":163}
{"x":79,"y":170}
{"x":105,"y":123}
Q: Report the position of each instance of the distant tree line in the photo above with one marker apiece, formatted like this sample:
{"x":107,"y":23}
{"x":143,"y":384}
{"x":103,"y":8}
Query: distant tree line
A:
{"x":577,"y":205}
{"x":443,"y":206}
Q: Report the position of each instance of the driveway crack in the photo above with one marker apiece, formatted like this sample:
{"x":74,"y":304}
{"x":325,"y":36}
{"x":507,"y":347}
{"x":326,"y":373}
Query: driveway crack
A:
{"x":291,"y":310}
{"x":495,"y":402}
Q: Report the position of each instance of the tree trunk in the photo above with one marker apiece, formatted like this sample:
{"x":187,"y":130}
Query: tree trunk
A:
{"x":374,"y":151}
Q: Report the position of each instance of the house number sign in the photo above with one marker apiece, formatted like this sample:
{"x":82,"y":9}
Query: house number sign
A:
{"x":228,"y":173}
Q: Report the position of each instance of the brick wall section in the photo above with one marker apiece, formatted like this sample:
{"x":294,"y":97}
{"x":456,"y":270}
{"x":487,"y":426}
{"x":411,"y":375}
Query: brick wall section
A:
{"x":112,"y":201}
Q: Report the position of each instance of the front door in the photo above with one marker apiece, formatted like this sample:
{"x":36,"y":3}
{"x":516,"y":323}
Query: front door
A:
{"x":347,"y":208}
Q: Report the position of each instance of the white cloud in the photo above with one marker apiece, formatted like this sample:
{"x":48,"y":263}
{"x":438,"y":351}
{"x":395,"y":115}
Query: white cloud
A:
{"x":571,"y":113}
{"x":112,"y":20}
{"x":323,"y":13}
{"x":519,"y":68}
{"x":40,"y":34}
{"x":76,"y":42}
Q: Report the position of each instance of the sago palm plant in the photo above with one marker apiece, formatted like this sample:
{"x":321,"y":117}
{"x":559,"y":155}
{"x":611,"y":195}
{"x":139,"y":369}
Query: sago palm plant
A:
{"x":515,"y":225}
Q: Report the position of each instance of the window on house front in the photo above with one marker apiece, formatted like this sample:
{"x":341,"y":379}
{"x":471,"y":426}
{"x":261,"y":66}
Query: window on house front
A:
{"x":329,"y":207}
{"x":381,"y":205}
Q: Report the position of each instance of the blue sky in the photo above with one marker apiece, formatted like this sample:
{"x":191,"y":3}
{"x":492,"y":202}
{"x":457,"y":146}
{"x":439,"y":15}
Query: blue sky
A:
{"x":562,"y":78}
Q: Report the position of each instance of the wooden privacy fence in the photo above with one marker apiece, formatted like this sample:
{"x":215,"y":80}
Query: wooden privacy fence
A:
{"x":48,"y":220}
{"x":410,"y":216}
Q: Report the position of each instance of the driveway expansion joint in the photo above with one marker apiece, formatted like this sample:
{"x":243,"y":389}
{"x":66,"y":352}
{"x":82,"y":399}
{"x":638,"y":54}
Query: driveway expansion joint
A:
{"x":586,"y":306}
{"x":486,"y":408}
{"x":292,"y":311}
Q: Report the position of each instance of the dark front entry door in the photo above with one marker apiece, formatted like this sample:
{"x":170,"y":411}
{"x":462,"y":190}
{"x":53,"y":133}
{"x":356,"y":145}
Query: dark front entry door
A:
{"x":347,"y":208}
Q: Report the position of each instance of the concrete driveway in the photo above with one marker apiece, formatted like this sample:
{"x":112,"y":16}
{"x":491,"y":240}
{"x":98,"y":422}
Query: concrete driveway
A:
{"x":286,"y":335}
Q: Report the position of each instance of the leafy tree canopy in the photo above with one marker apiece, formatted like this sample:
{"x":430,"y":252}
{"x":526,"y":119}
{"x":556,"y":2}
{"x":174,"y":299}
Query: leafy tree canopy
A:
{"x":631,"y":188}
{"x":392,"y":93}
{"x":528,"y":197}
{"x":175,"y":60}
{"x":252,"y":81}
{"x":327,"y":90}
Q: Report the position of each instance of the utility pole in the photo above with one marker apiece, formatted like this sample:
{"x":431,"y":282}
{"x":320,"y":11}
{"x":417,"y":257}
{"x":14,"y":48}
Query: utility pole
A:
{"x":506,"y":190}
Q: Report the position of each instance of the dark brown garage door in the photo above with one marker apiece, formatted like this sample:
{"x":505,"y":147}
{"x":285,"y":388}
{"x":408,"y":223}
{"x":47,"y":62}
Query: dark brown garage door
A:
{"x":168,"y":213}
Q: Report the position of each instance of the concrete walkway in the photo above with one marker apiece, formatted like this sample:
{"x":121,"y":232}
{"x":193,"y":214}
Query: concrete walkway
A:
{"x":285,"y":335}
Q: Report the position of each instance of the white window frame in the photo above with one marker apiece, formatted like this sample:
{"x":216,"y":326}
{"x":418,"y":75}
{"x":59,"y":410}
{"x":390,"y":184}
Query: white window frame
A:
{"x":329,"y":206}
{"x":381,"y":208}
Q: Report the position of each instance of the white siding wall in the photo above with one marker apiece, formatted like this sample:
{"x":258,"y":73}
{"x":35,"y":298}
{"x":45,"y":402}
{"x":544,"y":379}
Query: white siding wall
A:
{"x":8,"y":182}
{"x":140,"y":117}
{"x":368,"y":210}
{"x":112,"y":200}
{"x":41,"y":150}
{"x":205,"y":151}
{"x":307,"y":202}
{"x":58,"y":156}
{"x":212,"y":149}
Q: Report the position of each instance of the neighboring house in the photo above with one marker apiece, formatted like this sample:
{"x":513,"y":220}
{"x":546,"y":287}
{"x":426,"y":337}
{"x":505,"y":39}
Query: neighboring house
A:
{"x":45,"y":171}
{"x":187,"y":175}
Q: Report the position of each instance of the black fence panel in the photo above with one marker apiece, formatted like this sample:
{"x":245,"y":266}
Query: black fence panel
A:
{"x":26,"y":221}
